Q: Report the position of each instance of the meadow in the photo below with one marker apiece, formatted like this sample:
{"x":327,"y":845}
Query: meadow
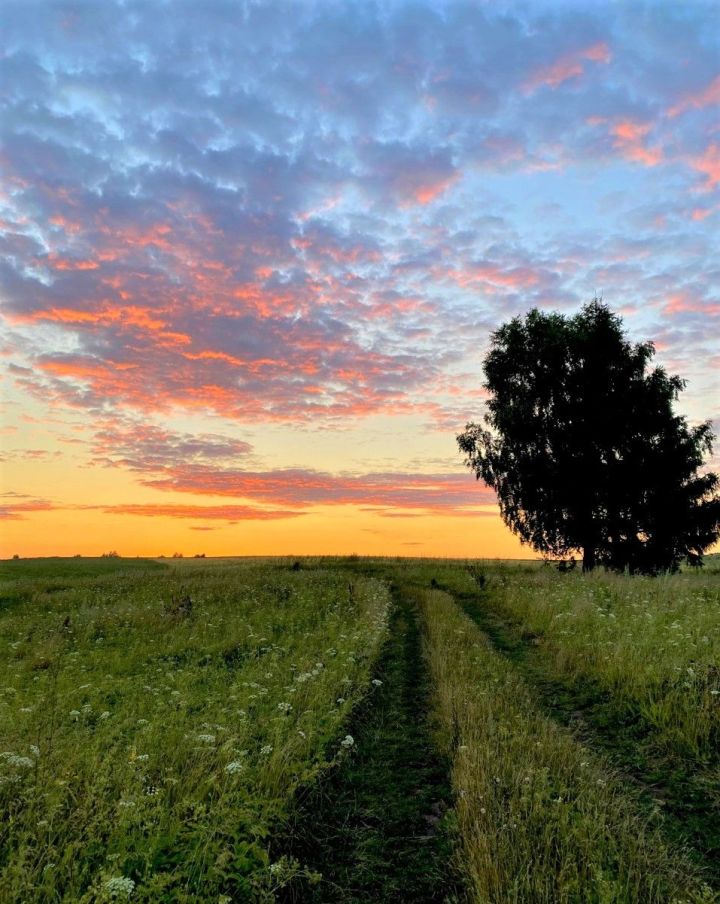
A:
{"x":357,"y":730}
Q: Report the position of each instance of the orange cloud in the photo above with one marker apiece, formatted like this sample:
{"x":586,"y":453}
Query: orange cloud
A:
{"x":129,"y":314}
{"x":66,"y":263}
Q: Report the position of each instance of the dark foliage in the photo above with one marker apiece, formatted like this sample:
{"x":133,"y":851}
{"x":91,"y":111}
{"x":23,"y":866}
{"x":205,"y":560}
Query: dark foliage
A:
{"x":583,"y":447}
{"x":179,"y":606}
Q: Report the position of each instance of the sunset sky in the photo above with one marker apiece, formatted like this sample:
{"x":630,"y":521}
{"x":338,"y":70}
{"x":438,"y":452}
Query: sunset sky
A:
{"x":252,"y":254}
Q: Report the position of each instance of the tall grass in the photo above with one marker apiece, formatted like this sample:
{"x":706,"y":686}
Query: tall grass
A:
{"x":653,"y":643}
{"x":147,"y":748}
{"x":541,"y":820}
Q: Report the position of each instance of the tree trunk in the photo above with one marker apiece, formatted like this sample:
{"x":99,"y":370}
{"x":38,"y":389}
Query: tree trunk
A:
{"x":588,"y":558}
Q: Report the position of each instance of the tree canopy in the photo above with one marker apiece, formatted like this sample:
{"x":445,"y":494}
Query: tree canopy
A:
{"x":584,"y":449}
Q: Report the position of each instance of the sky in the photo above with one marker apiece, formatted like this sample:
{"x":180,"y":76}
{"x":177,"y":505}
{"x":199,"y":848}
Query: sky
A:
{"x":252,"y":254}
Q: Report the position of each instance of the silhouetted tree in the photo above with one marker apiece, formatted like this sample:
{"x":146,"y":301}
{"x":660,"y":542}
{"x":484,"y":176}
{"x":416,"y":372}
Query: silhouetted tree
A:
{"x":583,"y":447}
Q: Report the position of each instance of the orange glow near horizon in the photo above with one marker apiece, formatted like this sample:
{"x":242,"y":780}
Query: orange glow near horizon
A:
{"x":321,"y":533}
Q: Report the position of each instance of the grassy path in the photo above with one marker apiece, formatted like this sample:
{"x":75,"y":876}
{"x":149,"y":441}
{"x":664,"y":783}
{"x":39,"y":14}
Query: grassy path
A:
{"x":375,"y":827}
{"x":685,"y":797}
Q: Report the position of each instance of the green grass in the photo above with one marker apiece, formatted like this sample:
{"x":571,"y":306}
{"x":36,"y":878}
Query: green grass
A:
{"x":686,"y":791}
{"x":145,"y":744}
{"x":560,"y":746}
{"x":541,"y":818}
{"x":34,"y":580}
{"x":652,"y":644}
{"x":55,"y":569}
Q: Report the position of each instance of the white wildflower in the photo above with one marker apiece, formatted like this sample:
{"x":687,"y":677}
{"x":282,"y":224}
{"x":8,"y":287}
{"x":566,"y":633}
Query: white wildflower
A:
{"x":105,"y":715}
{"x":376,"y":682}
{"x":347,"y":742}
{"x":206,"y":738}
{"x":285,"y":707}
{"x":21,"y":762}
{"x":120,"y":886}
{"x":266,"y":750}
{"x":34,"y":750}
{"x":234,"y":767}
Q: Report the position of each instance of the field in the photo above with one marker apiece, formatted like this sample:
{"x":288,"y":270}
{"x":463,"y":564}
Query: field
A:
{"x":347,"y":730}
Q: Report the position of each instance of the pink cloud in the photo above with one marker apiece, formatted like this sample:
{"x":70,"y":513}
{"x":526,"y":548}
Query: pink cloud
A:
{"x":210,"y":465}
{"x":630,"y":137}
{"x":426,"y":193}
{"x":708,"y":96}
{"x":17,"y":511}
{"x":147,"y":447}
{"x":701,"y":213}
{"x":302,"y":488}
{"x":199,"y":512}
{"x":570,"y":65}
{"x":708,"y":163}
{"x":685,"y":303}
{"x":494,"y":275}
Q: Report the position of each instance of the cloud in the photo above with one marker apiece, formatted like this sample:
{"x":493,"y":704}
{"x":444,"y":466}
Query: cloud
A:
{"x":689,"y":303}
{"x":704,"y":97}
{"x":230,"y":513}
{"x":570,"y":65}
{"x":708,"y":163}
{"x":18,"y":511}
{"x":630,"y":141}
{"x":629,"y":138}
{"x":149,"y":448}
{"x":304,"y":488}
{"x":407,"y":174}
{"x":219,"y":466}
{"x":318,"y":214}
